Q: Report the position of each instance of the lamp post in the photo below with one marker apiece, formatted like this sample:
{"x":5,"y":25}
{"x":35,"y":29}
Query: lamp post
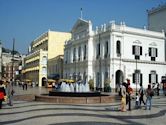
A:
{"x":136,"y":80}
{"x":13,"y":60}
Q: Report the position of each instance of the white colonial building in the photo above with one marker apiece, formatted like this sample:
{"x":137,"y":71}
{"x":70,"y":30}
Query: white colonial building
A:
{"x":114,"y":52}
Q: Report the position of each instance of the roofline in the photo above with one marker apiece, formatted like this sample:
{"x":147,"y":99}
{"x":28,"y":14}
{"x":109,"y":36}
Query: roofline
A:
{"x":156,"y":9}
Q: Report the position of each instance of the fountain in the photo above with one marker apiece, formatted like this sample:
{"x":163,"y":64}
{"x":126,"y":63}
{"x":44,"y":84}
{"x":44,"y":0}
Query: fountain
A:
{"x":77,"y":93}
{"x":78,"y":89}
{"x":74,"y":87}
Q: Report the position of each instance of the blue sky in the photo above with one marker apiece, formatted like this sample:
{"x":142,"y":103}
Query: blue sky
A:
{"x":25,"y":20}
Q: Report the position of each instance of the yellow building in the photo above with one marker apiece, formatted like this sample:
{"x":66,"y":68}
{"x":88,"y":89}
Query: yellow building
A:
{"x":44,"y":48}
{"x":55,"y":67}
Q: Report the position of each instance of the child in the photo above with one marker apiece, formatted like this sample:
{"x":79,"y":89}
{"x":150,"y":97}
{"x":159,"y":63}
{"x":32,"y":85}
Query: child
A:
{"x":137,"y":101}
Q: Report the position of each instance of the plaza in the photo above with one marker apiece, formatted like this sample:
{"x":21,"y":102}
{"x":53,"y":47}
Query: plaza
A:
{"x":42,"y":113}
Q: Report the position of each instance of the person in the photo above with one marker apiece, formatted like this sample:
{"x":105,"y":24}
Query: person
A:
{"x":10,"y":93}
{"x":26,"y":85}
{"x":2,"y":93}
{"x":123,"y":97}
{"x":158,"y":89}
{"x":149,"y":94}
{"x":120,"y":89}
{"x":53,"y":85}
{"x":141,"y":93}
{"x":22,"y":85}
{"x":137,"y":101}
{"x":129,"y":91}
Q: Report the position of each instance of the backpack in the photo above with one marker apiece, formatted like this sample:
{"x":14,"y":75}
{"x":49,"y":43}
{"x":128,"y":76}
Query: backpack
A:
{"x":141,"y":91}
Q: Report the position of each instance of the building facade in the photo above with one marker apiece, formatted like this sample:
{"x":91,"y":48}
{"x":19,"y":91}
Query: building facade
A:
{"x":114,"y":52}
{"x":42,"y":49}
{"x":55,"y":67}
{"x":157,"y":18}
{"x":7,"y":64}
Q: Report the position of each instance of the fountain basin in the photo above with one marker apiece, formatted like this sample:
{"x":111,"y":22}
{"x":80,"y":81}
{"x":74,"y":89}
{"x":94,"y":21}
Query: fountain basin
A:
{"x":75,"y":94}
{"x":68,"y":98}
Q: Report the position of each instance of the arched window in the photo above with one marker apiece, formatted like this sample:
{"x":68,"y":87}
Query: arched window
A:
{"x":118,"y":48}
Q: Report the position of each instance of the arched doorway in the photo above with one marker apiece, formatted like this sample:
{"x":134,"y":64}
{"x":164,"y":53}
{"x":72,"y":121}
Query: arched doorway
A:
{"x":44,"y":80}
{"x":119,"y":79}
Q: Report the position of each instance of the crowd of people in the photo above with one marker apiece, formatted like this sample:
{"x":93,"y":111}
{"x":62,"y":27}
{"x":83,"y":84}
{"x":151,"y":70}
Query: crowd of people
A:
{"x":148,"y":93}
{"x":7,"y":91}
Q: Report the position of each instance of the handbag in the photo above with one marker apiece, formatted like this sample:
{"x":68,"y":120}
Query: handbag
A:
{"x":151,"y":93}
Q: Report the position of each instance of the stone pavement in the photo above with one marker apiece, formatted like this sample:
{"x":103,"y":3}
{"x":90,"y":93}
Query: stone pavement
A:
{"x":40,"y":113}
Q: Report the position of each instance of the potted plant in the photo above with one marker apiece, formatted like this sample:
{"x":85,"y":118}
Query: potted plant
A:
{"x":91,"y":84}
{"x":107,"y":87}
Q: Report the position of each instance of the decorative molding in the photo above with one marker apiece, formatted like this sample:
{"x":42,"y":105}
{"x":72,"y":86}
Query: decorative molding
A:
{"x":153,"y":44}
{"x":137,"y":42}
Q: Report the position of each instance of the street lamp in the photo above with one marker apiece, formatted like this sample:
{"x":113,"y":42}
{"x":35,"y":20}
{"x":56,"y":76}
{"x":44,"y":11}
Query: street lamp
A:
{"x":13,"y":61}
{"x":136,"y":73}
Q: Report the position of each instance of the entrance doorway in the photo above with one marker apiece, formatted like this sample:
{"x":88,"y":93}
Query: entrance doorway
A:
{"x":44,"y":81}
{"x":119,"y":79}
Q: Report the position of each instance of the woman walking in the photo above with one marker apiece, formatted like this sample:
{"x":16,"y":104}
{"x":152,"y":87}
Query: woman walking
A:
{"x":123,"y":99}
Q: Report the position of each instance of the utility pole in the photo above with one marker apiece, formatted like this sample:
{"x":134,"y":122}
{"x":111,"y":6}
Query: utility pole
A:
{"x":100,"y":82}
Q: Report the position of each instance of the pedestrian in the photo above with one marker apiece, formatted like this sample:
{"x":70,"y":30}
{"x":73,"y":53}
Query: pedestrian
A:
{"x":129,"y":91}
{"x":2,"y":93}
{"x":141,"y":93}
{"x":158,"y":89}
{"x":10,"y":93}
{"x":137,"y":101}
{"x":26,"y":85}
{"x":22,"y":85}
{"x":149,"y":94}
{"x":123,"y":97}
{"x":53,"y":85}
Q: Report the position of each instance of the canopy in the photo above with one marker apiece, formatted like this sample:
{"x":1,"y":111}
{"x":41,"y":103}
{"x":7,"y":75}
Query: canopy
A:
{"x":67,"y":80}
{"x":51,"y":80}
{"x":27,"y":80}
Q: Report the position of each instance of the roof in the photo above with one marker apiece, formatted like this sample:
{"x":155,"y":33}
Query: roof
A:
{"x":157,"y":9}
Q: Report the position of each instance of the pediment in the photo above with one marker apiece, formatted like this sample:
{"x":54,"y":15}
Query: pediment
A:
{"x":80,"y":23}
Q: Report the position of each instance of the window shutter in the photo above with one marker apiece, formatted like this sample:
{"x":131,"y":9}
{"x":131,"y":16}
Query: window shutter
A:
{"x":141,"y":79}
{"x":156,"y":52}
{"x":149,"y":78}
{"x":140,"y":50}
{"x":156,"y":78}
{"x":133,"y":50}
{"x":133,"y":77}
{"x":150,"y":51}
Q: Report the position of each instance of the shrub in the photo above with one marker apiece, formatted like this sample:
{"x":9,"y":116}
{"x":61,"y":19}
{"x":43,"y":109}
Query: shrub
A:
{"x":107,"y":87}
{"x":91,"y":84}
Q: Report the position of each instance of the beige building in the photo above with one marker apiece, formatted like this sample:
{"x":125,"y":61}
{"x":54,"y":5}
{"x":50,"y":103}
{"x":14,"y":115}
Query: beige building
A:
{"x":55,"y":67}
{"x":44,"y":48}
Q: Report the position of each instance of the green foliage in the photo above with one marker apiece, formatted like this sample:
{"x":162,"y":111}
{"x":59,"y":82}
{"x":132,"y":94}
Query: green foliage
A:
{"x":107,"y":87}
{"x":91,"y":84}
